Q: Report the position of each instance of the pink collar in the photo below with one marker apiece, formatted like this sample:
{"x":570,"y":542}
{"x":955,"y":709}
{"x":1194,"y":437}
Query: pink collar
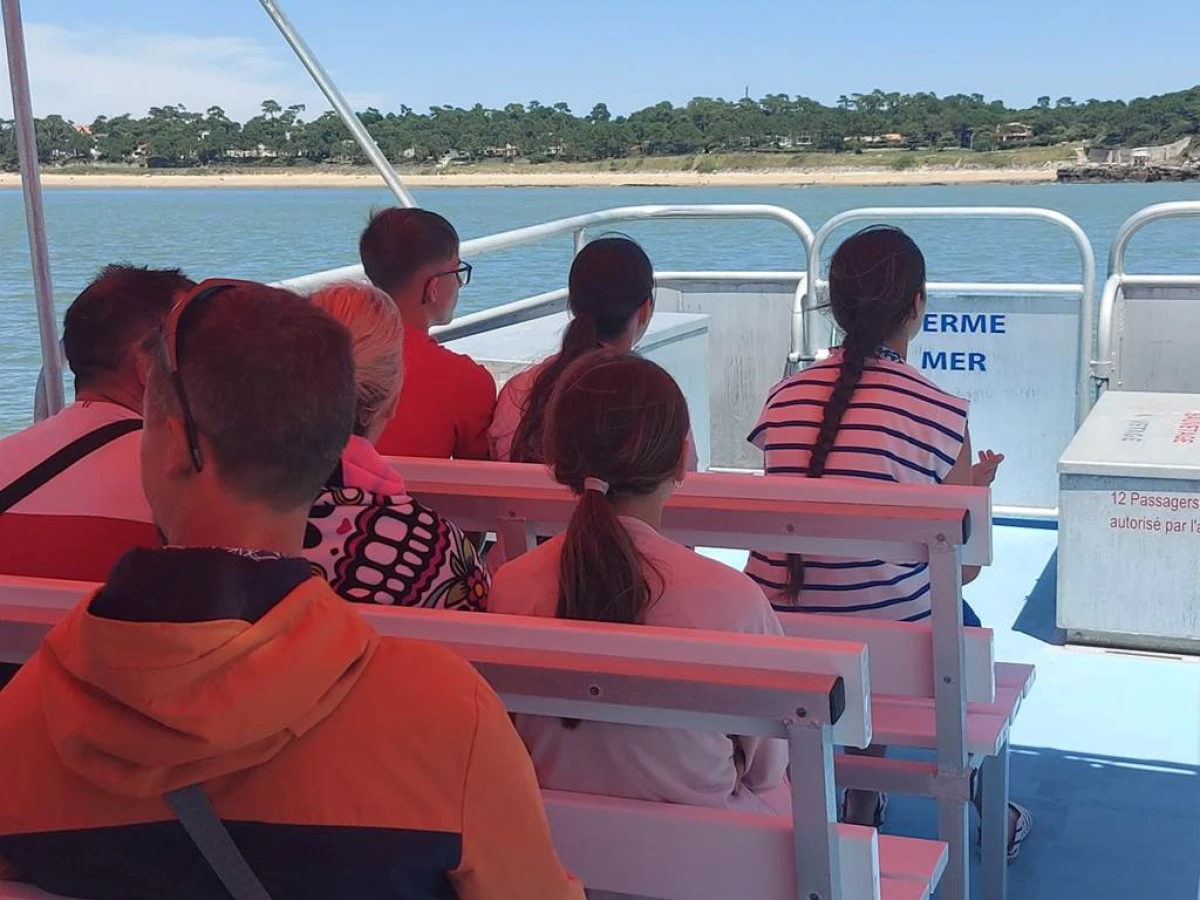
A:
{"x":365,"y":469}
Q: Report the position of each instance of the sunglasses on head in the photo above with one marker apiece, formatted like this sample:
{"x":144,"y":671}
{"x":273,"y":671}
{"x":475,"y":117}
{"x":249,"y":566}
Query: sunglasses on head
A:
{"x":181,"y":313}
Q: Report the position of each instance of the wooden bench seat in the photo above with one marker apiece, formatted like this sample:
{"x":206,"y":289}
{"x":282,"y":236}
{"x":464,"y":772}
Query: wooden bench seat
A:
{"x":726,"y":854}
{"x":889,"y":889}
{"x":1019,"y":675}
{"x":451,"y":480}
{"x":912,"y":859}
{"x":898,"y":889}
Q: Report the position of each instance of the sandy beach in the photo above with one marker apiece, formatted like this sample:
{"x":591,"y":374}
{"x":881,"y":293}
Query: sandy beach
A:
{"x":309,"y":178}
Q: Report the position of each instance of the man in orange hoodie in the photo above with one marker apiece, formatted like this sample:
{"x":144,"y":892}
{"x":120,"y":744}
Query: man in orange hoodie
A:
{"x":342,"y":765}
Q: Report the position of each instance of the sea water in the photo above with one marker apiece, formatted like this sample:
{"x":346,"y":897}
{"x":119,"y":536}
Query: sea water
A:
{"x":271,"y":234}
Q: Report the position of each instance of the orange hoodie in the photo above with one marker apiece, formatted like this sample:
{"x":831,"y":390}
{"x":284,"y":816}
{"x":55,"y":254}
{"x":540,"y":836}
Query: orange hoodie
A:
{"x":343,"y":765}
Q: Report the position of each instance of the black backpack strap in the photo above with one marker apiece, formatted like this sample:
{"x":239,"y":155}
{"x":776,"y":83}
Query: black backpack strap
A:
{"x":212,"y":839}
{"x":57,"y":463}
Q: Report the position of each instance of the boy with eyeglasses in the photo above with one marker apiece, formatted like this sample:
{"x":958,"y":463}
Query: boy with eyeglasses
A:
{"x":447,"y":400}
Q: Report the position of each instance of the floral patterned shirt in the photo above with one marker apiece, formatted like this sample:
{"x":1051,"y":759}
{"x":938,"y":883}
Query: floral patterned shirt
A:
{"x":376,"y":544}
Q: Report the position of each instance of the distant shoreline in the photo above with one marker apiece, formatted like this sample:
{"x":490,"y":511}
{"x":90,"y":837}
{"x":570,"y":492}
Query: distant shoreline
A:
{"x":367,"y":178}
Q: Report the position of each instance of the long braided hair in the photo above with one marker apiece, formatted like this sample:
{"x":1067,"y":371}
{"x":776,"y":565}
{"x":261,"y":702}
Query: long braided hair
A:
{"x":876,"y":280}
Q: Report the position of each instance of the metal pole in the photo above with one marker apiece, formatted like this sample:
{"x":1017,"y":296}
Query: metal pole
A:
{"x":359,"y":132}
{"x":815,"y":850}
{"x":950,"y":704}
{"x":35,"y":218}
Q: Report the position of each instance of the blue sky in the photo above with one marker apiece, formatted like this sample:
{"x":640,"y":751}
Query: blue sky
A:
{"x":108,"y":56}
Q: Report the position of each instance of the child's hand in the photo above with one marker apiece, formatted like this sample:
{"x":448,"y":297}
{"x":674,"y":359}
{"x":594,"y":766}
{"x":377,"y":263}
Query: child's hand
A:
{"x":983,"y":473}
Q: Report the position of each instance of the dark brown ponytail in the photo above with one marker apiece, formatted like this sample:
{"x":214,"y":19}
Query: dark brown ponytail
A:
{"x":616,"y":426}
{"x":875,"y":279}
{"x":611,"y":278}
{"x":620,"y":422}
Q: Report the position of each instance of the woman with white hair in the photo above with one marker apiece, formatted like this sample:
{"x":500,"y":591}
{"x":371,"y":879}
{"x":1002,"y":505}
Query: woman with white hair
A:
{"x":370,"y":539}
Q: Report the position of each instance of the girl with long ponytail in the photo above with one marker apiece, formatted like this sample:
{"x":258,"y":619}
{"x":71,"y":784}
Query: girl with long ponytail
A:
{"x":865,"y":413}
{"x":615,"y":434}
{"x":611,"y":299}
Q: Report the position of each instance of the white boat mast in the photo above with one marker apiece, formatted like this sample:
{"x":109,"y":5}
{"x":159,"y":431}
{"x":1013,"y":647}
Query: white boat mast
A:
{"x":359,"y":132}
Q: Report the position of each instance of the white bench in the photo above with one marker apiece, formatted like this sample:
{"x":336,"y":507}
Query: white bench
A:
{"x":484,"y":493}
{"x":944,"y":689}
{"x":806,"y":691}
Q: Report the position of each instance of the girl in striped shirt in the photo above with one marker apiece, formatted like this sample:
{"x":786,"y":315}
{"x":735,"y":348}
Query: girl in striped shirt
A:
{"x":865,"y":413}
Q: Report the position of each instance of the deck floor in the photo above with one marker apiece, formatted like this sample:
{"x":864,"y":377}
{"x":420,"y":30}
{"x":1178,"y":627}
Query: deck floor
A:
{"x":1106,"y":749}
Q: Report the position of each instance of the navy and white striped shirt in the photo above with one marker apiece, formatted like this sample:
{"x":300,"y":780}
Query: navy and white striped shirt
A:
{"x":898,"y":428}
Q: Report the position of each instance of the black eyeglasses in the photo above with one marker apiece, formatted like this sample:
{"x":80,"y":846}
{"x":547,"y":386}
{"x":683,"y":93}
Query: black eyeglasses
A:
{"x":462,"y":273}
{"x":172,"y":328}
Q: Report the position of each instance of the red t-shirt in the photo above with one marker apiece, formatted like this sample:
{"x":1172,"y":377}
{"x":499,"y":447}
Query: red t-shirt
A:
{"x":446,"y":404}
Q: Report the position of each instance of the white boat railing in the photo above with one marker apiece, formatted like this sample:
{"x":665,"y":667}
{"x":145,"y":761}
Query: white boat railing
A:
{"x":1056,"y":336}
{"x":578,"y":227}
{"x":1085,"y":289}
{"x":1106,"y":364}
{"x":552,"y":302}
{"x":353,"y":124}
{"x":1180,"y":209}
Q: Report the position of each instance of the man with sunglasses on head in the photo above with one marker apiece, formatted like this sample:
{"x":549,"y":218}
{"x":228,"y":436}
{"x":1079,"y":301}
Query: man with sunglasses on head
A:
{"x":219,"y":685}
{"x":447,"y":399}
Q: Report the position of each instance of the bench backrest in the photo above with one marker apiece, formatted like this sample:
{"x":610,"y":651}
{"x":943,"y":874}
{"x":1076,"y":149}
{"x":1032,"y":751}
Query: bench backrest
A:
{"x":30,"y":606}
{"x":713,"y":853}
{"x":737,"y":507}
{"x":754,"y":512}
{"x":901,"y":654}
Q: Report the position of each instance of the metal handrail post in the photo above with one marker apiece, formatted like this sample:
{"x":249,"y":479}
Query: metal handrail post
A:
{"x":1102,"y":365}
{"x":357,"y":130}
{"x":35,"y":217}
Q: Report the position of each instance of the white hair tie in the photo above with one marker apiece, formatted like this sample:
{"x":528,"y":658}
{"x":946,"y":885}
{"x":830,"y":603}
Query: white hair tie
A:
{"x":598,"y":485}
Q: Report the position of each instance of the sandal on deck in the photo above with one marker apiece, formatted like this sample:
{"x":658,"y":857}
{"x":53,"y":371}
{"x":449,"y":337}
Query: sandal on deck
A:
{"x":879,"y":816}
{"x":1024,"y":827}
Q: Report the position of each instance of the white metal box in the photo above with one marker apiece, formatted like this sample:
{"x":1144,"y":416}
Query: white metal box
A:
{"x":1129,"y":524}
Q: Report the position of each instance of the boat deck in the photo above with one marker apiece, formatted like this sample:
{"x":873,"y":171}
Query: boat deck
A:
{"x":1106,"y":749}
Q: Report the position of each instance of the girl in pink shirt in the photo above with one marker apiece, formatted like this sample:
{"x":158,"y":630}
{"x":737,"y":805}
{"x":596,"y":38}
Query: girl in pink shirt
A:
{"x":611,"y":287}
{"x":616,"y":434}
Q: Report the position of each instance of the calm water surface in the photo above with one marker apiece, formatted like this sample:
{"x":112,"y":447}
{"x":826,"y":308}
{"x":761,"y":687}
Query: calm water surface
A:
{"x":274,"y":234}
